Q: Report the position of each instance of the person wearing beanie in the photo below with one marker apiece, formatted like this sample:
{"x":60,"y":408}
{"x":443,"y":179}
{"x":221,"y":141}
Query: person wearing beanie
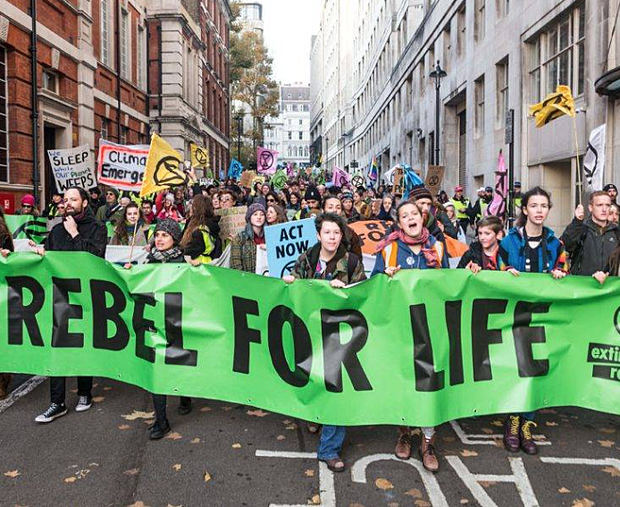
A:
{"x":169,"y":209}
{"x":435,"y":220}
{"x":165,"y":250}
{"x":28,"y":206}
{"x":313,"y":204}
{"x":111,"y":211}
{"x":461,"y":205}
{"x":612,"y":190}
{"x":243,"y":246}
{"x":349,"y":212}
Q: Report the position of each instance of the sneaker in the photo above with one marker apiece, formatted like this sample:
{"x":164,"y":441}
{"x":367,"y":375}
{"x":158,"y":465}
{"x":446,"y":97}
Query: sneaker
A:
{"x":84,"y":403}
{"x":527,"y":442}
{"x":512,"y":438}
{"x":54,"y":411}
{"x":159,"y":430}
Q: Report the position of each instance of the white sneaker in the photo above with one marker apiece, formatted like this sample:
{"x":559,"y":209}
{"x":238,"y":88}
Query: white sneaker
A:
{"x":54,"y":411}
{"x":84,"y":403}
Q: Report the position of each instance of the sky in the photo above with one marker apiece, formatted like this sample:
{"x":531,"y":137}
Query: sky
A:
{"x":289,"y":26}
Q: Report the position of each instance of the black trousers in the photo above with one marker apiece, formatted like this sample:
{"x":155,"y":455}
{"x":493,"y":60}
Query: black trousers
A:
{"x":58,"y":388}
{"x":159,"y":403}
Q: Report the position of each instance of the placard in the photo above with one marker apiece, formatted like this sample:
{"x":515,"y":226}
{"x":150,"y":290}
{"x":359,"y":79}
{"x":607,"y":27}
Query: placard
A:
{"x":286,"y":242}
{"x":72,"y":167}
{"x":122,"y":166}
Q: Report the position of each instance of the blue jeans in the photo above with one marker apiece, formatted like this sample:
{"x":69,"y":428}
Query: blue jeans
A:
{"x":331,"y":442}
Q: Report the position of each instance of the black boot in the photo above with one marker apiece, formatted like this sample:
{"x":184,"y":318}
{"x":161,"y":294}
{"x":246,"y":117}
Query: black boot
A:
{"x":159,"y":429}
{"x":185,"y":407}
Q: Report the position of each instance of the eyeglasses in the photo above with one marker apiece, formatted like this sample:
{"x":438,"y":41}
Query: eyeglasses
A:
{"x":110,"y":193}
{"x":271,"y":200}
{"x":26,"y":206}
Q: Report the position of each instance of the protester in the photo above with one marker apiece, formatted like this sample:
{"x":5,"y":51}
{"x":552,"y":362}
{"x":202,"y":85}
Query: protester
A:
{"x":350,"y":214}
{"x":275,"y":214}
{"x":28,"y":206}
{"x":147,"y":211}
{"x":614,"y":214}
{"x":51,"y":210}
{"x":168,"y":208}
{"x":330,"y":259}
{"x":461,"y":205}
{"x":96,"y":200}
{"x":435,"y":220}
{"x":517,"y":197}
{"x":331,"y":204}
{"x":227,"y":199}
{"x":166,"y":250}
{"x":132,"y":229}
{"x":294,"y":201}
{"x":443,"y":198}
{"x":533,"y":248}
{"x":6,"y":247}
{"x":484,"y":252}
{"x":201,"y":241}
{"x":313,"y":202}
{"x":244,"y":244}
{"x":477,"y":211}
{"x":451,"y":214}
{"x":590,"y":241}
{"x":411,"y":246}
{"x":360,"y":205}
{"x":612,"y":190}
{"x":111,"y":211}
{"x":78,"y":232}
{"x":388,"y":210}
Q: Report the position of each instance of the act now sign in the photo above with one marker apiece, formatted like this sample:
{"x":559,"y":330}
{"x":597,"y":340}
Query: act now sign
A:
{"x":286,"y":242}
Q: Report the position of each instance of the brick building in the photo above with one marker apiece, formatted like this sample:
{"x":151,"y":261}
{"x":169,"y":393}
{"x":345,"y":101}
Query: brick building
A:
{"x":97,"y":63}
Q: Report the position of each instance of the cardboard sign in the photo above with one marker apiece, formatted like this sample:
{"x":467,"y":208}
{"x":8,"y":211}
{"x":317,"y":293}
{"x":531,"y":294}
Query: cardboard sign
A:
{"x":286,"y":242}
{"x":371,"y":232}
{"x":434,"y":178}
{"x":246,"y":178}
{"x":232,"y":221}
{"x":122,"y":166}
{"x":72,"y":167}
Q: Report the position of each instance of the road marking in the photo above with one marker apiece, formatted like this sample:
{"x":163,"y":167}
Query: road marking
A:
{"x":483,"y":439}
{"x":327,"y":491}
{"x":435,"y":495}
{"x":519,"y":478}
{"x":20,"y":392}
{"x":583,"y":461}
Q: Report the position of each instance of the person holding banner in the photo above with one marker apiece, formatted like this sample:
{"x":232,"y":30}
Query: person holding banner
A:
{"x":243,"y":246}
{"x":532,"y":248}
{"x":484,"y":253}
{"x":166,"y":250}
{"x":411,"y":246}
{"x":201,"y":237}
{"x":6,"y":247}
{"x":331,"y":204}
{"x":51,"y":210}
{"x":78,"y":232}
{"x":330,"y":260}
{"x":132,"y":229}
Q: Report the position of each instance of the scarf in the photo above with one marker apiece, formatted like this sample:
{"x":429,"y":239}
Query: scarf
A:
{"x":164,"y":255}
{"x":430,"y":254}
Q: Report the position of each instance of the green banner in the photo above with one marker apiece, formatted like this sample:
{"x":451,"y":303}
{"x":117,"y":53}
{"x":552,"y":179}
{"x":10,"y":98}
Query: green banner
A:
{"x":420,"y":349}
{"x":27,"y":227}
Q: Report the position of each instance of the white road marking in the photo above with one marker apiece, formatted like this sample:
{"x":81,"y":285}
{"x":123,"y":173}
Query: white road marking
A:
{"x":583,"y":461}
{"x":20,"y":392}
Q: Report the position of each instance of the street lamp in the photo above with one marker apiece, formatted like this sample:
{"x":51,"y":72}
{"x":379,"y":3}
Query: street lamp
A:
{"x":326,"y":150}
{"x":239,"y":120}
{"x":438,"y":74}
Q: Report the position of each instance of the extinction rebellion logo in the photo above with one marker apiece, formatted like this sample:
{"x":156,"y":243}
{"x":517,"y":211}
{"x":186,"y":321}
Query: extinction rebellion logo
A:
{"x":607,"y":355}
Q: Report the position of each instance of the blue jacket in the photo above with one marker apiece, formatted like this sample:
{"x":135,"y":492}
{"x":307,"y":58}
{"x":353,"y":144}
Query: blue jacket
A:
{"x":405,"y":258}
{"x":512,"y":251}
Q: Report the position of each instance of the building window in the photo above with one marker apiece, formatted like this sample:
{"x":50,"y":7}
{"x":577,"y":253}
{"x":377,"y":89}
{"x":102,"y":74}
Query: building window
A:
{"x":124,"y":135}
{"x":461,"y":31}
{"x":479,"y":19}
{"x":447,"y":47}
{"x":479,"y":100}
{"x":141,"y":56}
{"x":104,"y":128}
{"x":501,"y":72}
{"x":290,"y":135}
{"x":301,"y":135}
{"x":4,"y":123}
{"x":301,"y":122}
{"x":50,"y":81}
{"x":105,"y":32}
{"x":125,"y":45}
{"x":556,"y":56}
{"x":503,"y":7}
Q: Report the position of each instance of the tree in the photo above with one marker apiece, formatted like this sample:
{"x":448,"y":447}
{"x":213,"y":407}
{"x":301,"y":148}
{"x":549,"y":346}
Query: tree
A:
{"x":252,"y":85}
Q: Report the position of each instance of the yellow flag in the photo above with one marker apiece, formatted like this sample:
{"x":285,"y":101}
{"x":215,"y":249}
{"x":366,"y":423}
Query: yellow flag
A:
{"x":199,"y":156}
{"x":164,"y":168}
{"x":554,"y":105}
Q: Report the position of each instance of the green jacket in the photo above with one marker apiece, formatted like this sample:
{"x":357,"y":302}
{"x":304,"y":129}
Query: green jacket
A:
{"x":346,"y":267}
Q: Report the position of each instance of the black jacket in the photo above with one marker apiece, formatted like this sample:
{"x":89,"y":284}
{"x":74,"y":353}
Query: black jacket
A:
{"x":92,"y":237}
{"x":474,"y":254}
{"x":589,"y":245}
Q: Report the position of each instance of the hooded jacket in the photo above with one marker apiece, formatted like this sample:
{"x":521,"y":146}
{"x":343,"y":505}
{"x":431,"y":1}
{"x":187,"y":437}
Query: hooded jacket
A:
{"x":512,"y":252}
{"x":589,"y":245}
{"x":345,"y":266}
{"x":92,"y":236}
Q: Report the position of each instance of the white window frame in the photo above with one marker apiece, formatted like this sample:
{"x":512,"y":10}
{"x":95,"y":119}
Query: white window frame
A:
{"x":141,"y":57}
{"x":502,"y":70}
{"x":125,"y":41}
{"x":479,"y":104}
{"x":104,"y":14}
{"x":479,"y":20}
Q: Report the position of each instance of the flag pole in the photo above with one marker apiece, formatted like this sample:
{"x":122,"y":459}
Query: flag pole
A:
{"x":133,"y":240}
{"x":578,"y":178}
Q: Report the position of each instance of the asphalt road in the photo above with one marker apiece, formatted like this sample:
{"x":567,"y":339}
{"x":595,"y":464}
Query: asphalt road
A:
{"x":223,"y":454}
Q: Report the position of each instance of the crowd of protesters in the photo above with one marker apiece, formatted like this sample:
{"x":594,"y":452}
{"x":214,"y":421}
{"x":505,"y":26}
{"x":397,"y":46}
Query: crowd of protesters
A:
{"x":182,"y":225}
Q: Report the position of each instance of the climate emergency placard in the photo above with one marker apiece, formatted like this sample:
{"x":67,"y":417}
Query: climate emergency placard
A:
{"x":122,"y":166}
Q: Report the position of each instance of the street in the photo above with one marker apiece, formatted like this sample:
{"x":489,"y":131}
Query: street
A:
{"x":223,"y":454}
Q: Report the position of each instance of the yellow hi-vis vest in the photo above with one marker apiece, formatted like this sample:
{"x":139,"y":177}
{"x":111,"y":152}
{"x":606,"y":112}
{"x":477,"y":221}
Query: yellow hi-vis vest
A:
{"x":205,"y":257}
{"x":461,"y":207}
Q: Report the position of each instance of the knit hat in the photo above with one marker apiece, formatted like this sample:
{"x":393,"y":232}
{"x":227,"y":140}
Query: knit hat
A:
{"x":28,"y":200}
{"x":420,"y":192}
{"x":171,"y":227}
{"x":169,"y":197}
{"x":253,"y":208}
{"x":347,"y":195}
{"x":312,"y":193}
{"x":609,"y":186}
{"x":458,"y":188}
{"x":113,"y":190}
{"x":488,"y":189}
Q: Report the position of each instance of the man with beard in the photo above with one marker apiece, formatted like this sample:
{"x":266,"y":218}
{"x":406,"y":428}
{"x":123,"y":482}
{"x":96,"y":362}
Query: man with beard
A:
{"x":78,"y":232}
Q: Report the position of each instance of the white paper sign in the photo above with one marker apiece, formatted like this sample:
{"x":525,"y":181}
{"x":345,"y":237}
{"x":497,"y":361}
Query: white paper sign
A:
{"x":72,"y":167}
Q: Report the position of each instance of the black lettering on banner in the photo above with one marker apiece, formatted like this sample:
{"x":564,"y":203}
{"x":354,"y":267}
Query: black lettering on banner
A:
{"x":20,"y":314}
{"x":336,"y":354}
{"x":244,"y":335}
{"x":525,"y":336}
{"x":302,"y":345}
{"x":103,"y":313}
{"x":175,"y":353}
{"x":482,"y":337}
{"x":142,"y":325}
{"x":64,"y":312}
{"x":426,"y":378}
{"x":453,"y":311}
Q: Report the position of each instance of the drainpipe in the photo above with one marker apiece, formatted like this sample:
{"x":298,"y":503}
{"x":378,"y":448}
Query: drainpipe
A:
{"x":35,"y":100}
{"x":159,"y":72}
{"x":118,"y":70}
